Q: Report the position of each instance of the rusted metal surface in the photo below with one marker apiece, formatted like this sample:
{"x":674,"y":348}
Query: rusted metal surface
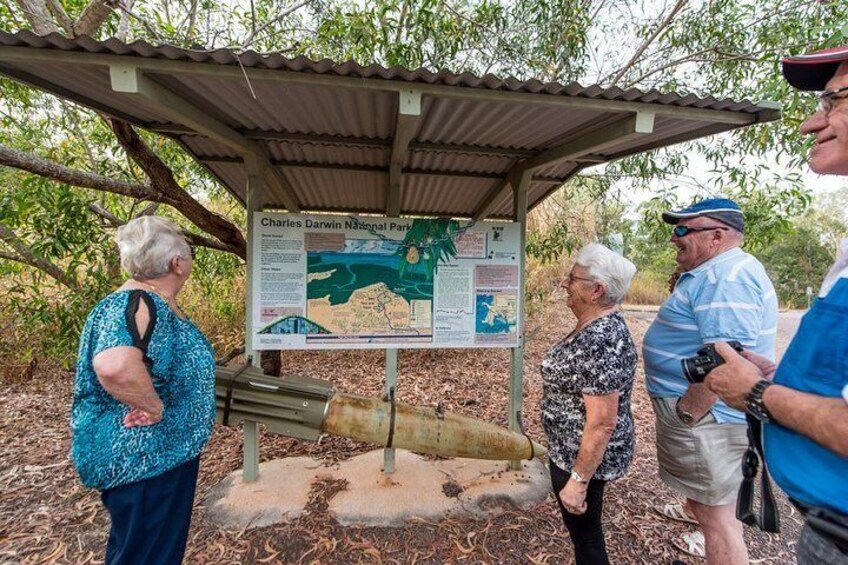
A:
{"x":425,"y":430}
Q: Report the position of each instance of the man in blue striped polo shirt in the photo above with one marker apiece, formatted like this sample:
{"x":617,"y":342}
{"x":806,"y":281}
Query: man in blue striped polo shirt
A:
{"x":722,"y":294}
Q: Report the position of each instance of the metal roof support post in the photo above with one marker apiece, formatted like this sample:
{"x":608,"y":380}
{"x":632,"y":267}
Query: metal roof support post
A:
{"x":255,"y":195}
{"x":409,"y":114}
{"x":391,"y":391}
{"x":520,"y":185}
{"x":128,"y":79}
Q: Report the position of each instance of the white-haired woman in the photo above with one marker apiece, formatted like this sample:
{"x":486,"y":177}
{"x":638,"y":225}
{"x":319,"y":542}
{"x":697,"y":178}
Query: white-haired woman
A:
{"x":587,"y":380}
{"x":144,"y":399}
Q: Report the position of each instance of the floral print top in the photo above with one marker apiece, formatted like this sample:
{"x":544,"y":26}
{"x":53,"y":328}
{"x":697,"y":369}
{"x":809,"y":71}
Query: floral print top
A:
{"x":598,"y":360}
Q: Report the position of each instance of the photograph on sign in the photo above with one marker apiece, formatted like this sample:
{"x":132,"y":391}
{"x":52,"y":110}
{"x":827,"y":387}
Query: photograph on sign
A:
{"x":325,"y":282}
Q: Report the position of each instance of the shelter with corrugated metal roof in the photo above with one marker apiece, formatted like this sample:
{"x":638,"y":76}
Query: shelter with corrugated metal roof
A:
{"x":306,"y":136}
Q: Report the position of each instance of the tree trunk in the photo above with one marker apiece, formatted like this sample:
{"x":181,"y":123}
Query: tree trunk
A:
{"x":272,"y":362}
{"x":168,"y":191}
{"x":38,"y":16}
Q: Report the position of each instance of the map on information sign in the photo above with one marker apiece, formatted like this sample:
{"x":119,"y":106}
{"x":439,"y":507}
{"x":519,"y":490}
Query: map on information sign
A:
{"x":496,"y":313}
{"x":365,"y":290}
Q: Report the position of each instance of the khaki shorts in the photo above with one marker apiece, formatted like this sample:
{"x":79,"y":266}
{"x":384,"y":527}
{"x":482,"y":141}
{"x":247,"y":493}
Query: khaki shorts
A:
{"x":703,"y":462}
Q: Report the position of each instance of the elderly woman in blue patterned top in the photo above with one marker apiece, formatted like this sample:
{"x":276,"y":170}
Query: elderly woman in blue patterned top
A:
{"x":587,"y":380}
{"x":144,"y":400}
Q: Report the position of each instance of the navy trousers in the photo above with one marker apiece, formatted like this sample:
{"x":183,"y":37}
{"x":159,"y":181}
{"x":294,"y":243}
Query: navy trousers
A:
{"x":150,"y":518}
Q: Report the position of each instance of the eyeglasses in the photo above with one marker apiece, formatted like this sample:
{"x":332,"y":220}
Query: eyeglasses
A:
{"x":828,"y":99}
{"x":683,"y":231}
{"x":571,"y":278}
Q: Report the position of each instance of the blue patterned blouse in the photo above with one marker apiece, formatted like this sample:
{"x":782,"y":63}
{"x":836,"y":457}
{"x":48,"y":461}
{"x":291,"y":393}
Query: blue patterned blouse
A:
{"x":106,"y":453}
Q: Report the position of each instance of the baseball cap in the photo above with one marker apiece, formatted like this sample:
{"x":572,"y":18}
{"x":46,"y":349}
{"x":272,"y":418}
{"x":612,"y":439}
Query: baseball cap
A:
{"x":724,"y":210}
{"x":811,"y":71}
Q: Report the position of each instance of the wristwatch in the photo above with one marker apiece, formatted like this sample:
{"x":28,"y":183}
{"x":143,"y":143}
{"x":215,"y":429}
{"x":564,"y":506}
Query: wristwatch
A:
{"x":754,"y":402}
{"x":686,"y":417}
{"x":575,"y":476}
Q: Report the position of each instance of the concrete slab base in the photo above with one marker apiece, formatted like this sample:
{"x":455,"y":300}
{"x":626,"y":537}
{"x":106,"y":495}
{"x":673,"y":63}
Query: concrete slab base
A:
{"x":419,"y":488}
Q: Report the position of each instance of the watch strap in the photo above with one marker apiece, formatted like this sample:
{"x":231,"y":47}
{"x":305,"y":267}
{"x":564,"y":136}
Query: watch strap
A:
{"x":754,"y":402}
{"x":577,"y":477}
{"x":684,"y":416}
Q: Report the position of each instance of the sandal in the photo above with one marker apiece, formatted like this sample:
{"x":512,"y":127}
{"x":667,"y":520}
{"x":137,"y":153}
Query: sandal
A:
{"x":691,"y":543}
{"x":675,"y":512}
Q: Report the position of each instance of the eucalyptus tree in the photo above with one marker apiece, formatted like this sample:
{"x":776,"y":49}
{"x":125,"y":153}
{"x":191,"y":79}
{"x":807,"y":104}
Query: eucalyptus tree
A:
{"x":69,"y":175}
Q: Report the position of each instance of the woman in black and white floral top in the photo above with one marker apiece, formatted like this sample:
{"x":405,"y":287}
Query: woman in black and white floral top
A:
{"x":587,"y":381}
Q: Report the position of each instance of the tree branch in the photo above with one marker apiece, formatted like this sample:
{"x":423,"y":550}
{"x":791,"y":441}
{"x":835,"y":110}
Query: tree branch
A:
{"x":38,"y":16}
{"x":61,"y":16}
{"x":168,"y":191}
{"x":124,"y":23}
{"x":148,"y":210}
{"x":191,"y":238}
{"x":54,"y":171}
{"x":235,"y":352}
{"x":93,"y":16}
{"x":11,"y":257}
{"x":650,"y":39}
{"x":75,"y":126}
{"x":26,"y":256}
{"x":165,"y":189}
{"x":685,"y":59}
{"x":271,"y":22}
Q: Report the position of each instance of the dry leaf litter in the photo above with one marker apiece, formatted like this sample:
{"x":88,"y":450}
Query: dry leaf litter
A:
{"x":47,"y":516}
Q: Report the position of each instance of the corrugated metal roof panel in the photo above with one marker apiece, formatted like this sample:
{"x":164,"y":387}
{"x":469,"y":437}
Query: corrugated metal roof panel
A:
{"x":459,"y":162}
{"x":253,"y":59}
{"x":443,"y":196}
{"x":325,"y":189}
{"x":291,"y":107}
{"x":316,"y":124}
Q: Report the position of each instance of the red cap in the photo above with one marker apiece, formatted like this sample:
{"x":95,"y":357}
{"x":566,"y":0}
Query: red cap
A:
{"x":813,"y":70}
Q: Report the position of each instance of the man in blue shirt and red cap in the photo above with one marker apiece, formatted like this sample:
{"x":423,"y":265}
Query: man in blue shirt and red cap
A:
{"x":803,"y":402}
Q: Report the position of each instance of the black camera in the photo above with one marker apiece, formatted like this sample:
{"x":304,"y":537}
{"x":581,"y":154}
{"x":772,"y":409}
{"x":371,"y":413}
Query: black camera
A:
{"x":696,"y":368}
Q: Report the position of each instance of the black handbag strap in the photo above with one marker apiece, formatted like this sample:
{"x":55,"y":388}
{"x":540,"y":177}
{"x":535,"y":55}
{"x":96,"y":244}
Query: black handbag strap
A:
{"x":768,"y":519}
{"x":520,"y":423}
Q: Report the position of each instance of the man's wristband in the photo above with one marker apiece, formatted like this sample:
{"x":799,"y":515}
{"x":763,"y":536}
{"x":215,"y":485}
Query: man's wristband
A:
{"x":754,"y":402}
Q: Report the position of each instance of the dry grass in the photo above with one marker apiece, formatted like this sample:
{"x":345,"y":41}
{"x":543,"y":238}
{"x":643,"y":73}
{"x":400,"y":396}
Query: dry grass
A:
{"x":647,"y":288}
{"x":219,"y":313}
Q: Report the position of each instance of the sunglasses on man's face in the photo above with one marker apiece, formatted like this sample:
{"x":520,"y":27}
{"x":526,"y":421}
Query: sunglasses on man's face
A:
{"x":683,"y":231}
{"x":829,"y":98}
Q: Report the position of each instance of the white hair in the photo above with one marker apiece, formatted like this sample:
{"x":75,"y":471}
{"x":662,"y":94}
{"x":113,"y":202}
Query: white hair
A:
{"x":148,"y":244}
{"x":608,"y":268}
